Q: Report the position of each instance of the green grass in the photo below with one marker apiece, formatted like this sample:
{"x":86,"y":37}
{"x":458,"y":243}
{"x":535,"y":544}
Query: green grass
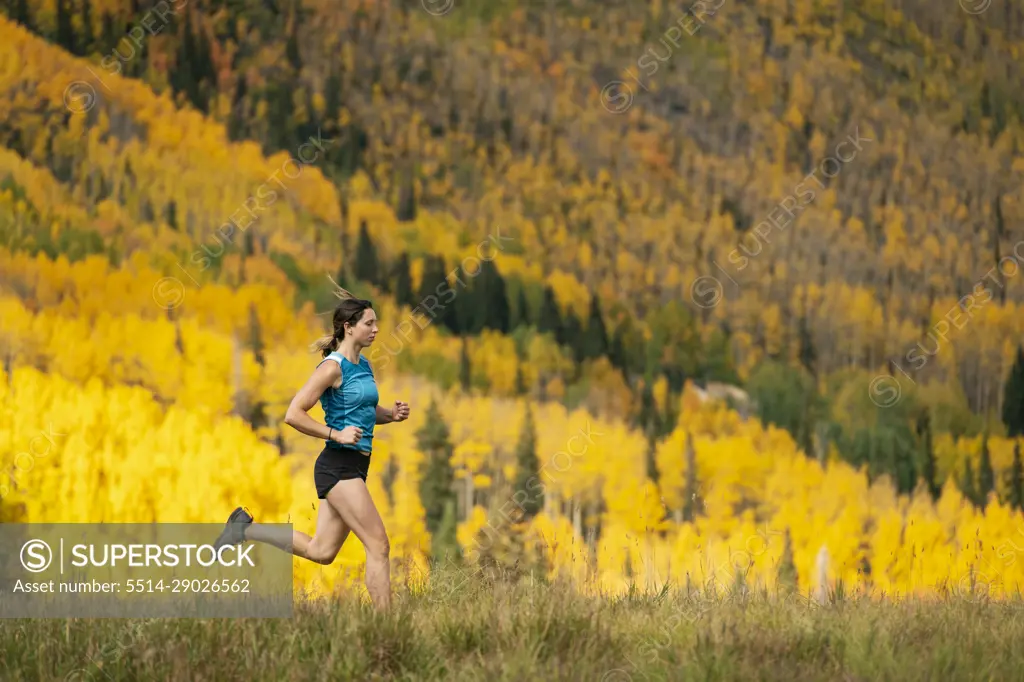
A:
{"x":497,"y":630}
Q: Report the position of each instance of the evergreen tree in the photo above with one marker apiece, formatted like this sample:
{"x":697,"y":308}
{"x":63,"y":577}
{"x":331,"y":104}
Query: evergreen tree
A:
{"x":522,"y":315}
{"x":181,"y":76}
{"x":459,"y":313}
{"x":786,"y":573}
{"x":717,"y":359}
{"x":434,"y":299}
{"x":22,"y":14}
{"x":433,"y":277}
{"x":883,"y":440}
{"x":595,"y":343}
{"x":171,"y":215}
{"x":445,"y":542}
{"x":550,"y":318}
{"x":405,"y":211}
{"x":670,"y":417}
{"x":520,"y":378}
{"x":281,"y":116}
{"x":249,"y":244}
{"x":572,"y":335}
{"x":787,"y":397}
{"x":808,"y":355}
{"x":1016,"y":480}
{"x":87,"y":39}
{"x":135,"y":66}
{"x":928,"y":470}
{"x":146,"y":209}
{"x":652,"y":462}
{"x":527,"y":481}
{"x":109,"y":33}
{"x":904,"y":466}
{"x":468,"y":313}
{"x":65,"y":31}
{"x":401,"y":281}
{"x":204,"y":76}
{"x":648,"y":416}
{"x":256,"y":335}
{"x":674,"y":347}
{"x":967,"y":486}
{"x":237,"y":126}
{"x":1013,"y":398}
{"x":332,"y":102}
{"x":367,"y":268}
{"x":986,"y":476}
{"x":493,"y":296}
{"x":465,"y":369}
{"x":617,"y":351}
{"x":436,"y":486}
{"x":292,"y":45}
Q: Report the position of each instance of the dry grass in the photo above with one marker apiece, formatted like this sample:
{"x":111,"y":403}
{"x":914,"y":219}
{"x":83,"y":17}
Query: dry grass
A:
{"x":496,"y":630}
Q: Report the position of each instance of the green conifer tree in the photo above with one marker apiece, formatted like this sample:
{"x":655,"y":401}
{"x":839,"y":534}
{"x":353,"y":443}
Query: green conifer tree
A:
{"x":528,"y":486}
{"x":550,"y":319}
{"x":595,"y":342}
{"x":986,"y":476}
{"x":465,"y":368}
{"x":1013,"y":398}
{"x":523,"y":318}
{"x":967,"y":485}
{"x":445,"y":543}
{"x":786,"y":573}
{"x":367,"y":267}
{"x":652,"y":462}
{"x":65,"y":31}
{"x":436,"y":485}
{"x":929,"y":470}
{"x":493,"y":296}
{"x":401,"y":281}
{"x":1016,"y":485}
{"x":85,"y":43}
{"x":22,"y":14}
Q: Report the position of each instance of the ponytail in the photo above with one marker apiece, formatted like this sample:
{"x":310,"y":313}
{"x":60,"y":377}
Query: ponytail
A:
{"x":325,"y":345}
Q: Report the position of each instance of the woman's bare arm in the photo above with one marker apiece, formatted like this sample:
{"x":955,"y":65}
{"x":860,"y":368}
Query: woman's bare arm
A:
{"x":297,"y":415}
{"x":384,"y":415}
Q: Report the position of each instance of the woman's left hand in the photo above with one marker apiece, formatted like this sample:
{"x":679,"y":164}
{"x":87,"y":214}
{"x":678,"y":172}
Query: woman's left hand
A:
{"x":400,"y":412}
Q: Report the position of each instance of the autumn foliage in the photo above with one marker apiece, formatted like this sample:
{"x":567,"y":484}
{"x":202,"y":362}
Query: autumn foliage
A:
{"x":156,"y":302}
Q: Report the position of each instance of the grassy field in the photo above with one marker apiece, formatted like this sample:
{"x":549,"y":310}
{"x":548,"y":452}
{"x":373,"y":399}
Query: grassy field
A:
{"x":495,"y":630}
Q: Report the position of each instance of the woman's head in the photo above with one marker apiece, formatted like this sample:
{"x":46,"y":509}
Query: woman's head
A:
{"x":353,"y":319}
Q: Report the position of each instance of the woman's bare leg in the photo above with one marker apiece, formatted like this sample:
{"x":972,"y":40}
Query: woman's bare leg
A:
{"x":352,"y":501}
{"x":322,"y":548}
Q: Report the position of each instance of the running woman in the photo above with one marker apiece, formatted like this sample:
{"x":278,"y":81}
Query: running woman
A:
{"x":344,"y":384}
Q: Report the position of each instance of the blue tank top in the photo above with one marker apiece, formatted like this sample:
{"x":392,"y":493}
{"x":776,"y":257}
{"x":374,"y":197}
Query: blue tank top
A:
{"x":354,"y":403}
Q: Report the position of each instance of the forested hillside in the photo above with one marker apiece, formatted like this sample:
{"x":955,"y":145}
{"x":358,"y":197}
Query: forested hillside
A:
{"x":601,"y":257}
{"x":473,"y":119}
{"x":481,"y":121}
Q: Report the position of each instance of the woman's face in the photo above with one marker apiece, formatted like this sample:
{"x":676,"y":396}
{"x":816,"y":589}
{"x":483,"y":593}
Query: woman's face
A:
{"x":364,"y":331}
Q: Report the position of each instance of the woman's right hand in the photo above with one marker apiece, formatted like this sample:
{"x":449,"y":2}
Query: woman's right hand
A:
{"x":349,"y":435}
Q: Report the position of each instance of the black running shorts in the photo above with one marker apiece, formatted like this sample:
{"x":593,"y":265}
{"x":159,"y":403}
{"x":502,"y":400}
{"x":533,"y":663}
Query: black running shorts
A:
{"x":338,"y":464}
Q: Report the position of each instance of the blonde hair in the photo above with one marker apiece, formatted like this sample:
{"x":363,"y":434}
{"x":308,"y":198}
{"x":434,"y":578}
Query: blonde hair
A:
{"x":349,"y":310}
